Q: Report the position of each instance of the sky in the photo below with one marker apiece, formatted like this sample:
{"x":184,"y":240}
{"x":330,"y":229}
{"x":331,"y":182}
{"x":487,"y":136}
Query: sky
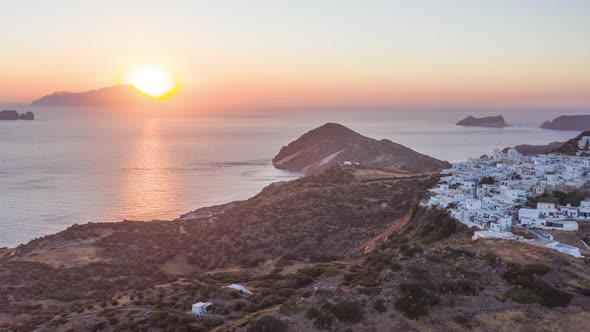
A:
{"x":322,"y":52}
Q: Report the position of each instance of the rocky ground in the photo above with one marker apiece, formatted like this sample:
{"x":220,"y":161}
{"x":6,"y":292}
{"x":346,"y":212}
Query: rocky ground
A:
{"x":347,"y":249}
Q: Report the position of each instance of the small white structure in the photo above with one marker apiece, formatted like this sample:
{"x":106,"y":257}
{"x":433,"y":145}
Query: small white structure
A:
{"x":239,"y":288}
{"x":584,"y":141}
{"x":347,"y":163}
{"x":565,"y":248}
{"x":493,"y":235}
{"x":200,"y":308}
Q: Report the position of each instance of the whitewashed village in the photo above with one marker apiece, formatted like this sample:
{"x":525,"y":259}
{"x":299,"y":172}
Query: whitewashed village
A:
{"x":491,"y":194}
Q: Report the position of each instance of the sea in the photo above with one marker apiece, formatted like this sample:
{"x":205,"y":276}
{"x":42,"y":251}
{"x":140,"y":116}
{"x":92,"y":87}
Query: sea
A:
{"x":72,"y":166}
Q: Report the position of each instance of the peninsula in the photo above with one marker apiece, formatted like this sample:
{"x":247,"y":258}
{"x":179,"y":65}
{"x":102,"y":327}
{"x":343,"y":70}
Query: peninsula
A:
{"x":333,"y":144}
{"x":568,"y":122}
{"x":488,"y":121}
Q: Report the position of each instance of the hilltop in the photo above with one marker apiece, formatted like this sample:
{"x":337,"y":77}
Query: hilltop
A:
{"x":568,"y":122}
{"x":333,"y":143}
{"x":115,"y":96}
{"x":488,"y":121}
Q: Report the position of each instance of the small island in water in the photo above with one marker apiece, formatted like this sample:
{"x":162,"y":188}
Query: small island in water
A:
{"x":488,"y":121}
{"x":14,"y":115}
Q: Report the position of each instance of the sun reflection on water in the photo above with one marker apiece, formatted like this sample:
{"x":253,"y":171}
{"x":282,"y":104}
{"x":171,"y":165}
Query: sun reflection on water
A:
{"x":147,"y":184}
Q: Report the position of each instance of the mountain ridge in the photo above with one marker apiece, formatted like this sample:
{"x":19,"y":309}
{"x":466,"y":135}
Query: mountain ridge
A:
{"x":117,"y":95}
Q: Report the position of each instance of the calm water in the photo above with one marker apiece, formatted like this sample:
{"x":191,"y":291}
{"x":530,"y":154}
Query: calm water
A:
{"x":71,"y":167}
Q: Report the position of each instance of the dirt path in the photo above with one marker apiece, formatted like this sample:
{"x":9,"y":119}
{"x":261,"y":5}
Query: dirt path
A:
{"x":372,"y":244}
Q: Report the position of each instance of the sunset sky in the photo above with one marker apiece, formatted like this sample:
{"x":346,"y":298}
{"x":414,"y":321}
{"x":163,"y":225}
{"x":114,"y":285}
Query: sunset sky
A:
{"x":256,"y":52}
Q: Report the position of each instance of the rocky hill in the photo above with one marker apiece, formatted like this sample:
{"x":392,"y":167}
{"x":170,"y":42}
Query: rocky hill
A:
{"x":571,"y":147}
{"x":428,"y":275}
{"x":488,"y":121}
{"x":88,"y":273}
{"x":422,"y":273}
{"x":333,"y":143}
{"x":115,"y":96}
{"x":568,"y":122}
{"x":531,"y":150}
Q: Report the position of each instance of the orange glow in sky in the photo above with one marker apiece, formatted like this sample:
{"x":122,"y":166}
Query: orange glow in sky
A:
{"x":262,"y":52}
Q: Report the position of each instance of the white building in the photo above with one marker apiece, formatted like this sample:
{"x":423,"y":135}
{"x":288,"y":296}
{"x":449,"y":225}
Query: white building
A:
{"x":493,"y":235}
{"x":564,"y":248}
{"x":200,"y":308}
{"x":239,"y":288}
{"x":584,"y":141}
{"x":548,"y":216}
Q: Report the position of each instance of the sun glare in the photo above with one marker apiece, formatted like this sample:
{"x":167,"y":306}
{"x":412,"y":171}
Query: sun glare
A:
{"x":152,"y":80}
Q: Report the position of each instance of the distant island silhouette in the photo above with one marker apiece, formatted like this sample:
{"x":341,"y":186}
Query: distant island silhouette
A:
{"x":14,"y":115}
{"x":119,"y":95}
{"x":488,"y":121}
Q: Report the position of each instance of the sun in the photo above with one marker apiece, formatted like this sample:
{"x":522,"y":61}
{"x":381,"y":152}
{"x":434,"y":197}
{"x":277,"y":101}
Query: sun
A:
{"x":152,"y":80}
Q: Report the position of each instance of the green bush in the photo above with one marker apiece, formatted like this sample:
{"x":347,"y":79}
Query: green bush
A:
{"x":299,"y":280}
{"x":491,"y":258}
{"x":312,"y":271}
{"x":348,"y":311}
{"x":371,"y":291}
{"x":487,"y":180}
{"x":268,"y":324}
{"x":380,"y":305}
{"x":289,"y":308}
{"x":539,"y":292}
{"x":321,"y":320}
{"x":538,"y":269}
{"x":517,"y":275}
{"x":522,"y":295}
{"x":551,"y":297}
{"x":416,"y":298}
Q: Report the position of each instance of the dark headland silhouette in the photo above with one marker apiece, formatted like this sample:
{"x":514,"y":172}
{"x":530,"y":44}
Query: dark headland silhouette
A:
{"x":118,"y":95}
{"x":568,"y":122}
{"x":14,"y":115}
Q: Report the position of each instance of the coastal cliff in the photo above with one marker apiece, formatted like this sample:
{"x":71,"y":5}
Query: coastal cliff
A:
{"x":332,"y":144}
{"x":488,"y":121}
{"x":568,"y":122}
{"x":14,"y":115}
